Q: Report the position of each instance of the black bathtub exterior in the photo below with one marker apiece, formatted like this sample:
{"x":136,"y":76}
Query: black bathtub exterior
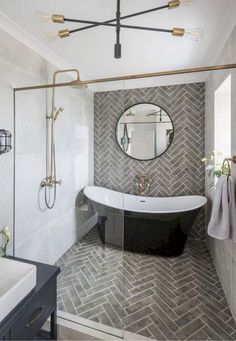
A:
{"x":163,"y":234}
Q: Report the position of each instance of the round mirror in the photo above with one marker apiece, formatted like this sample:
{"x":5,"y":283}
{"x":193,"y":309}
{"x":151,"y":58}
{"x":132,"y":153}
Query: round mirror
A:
{"x":144,"y":131}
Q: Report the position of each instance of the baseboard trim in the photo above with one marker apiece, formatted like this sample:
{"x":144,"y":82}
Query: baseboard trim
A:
{"x":89,"y":327}
{"x":95,"y":330}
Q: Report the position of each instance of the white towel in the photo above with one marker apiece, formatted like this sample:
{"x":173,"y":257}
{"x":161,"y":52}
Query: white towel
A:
{"x":222,"y":224}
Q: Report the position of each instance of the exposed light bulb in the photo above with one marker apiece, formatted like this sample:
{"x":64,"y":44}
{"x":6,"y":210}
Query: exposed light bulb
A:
{"x":42,"y":17}
{"x":194,"y":33}
{"x":50,"y":36}
{"x":186,"y":2}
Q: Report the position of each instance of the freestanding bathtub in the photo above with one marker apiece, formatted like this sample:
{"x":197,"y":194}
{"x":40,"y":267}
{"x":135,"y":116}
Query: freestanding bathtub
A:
{"x":152,"y":225}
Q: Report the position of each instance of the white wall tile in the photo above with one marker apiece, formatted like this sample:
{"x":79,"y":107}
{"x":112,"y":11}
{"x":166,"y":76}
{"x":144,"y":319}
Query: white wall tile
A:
{"x":223,"y":252}
{"x":62,"y":234}
{"x":36,"y":247}
{"x":42,"y":234}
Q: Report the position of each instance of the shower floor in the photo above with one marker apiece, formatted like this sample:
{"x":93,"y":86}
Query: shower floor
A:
{"x":161,"y":298}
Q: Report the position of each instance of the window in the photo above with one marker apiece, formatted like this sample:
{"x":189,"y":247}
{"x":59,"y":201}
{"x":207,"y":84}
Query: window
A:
{"x":222,"y":121}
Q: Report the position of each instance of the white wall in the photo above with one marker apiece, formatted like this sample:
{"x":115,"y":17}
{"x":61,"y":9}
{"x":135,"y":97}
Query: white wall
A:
{"x":6,"y":160}
{"x":223,"y":252}
{"x":42,"y":234}
{"x":222,"y":119}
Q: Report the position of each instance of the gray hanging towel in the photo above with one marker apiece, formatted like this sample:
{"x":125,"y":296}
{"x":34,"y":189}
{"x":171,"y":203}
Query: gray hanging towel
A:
{"x":222,"y":224}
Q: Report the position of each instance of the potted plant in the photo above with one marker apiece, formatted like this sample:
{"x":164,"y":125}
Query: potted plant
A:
{"x":5,"y":233}
{"x":214,"y":169}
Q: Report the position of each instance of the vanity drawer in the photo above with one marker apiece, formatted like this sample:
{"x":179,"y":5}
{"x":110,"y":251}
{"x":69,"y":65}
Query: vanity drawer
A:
{"x":33,"y":319}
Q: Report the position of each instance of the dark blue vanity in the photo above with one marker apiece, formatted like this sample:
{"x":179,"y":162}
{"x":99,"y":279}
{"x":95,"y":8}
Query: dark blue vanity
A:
{"x":28,"y":317}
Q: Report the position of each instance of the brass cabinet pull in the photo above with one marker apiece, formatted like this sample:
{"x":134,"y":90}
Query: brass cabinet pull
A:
{"x":36,"y":316}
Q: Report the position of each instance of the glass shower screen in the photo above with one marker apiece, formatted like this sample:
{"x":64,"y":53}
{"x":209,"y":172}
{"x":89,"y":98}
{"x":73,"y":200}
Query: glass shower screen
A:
{"x":60,"y":150}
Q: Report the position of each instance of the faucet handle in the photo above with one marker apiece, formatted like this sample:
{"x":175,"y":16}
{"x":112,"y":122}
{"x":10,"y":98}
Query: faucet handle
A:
{"x":149,"y":179}
{"x":143,"y":183}
{"x":143,"y":177}
{"x":58,"y":182}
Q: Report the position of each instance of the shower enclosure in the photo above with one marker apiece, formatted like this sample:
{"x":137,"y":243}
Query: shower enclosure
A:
{"x":54,"y":222}
{"x":101,"y":286}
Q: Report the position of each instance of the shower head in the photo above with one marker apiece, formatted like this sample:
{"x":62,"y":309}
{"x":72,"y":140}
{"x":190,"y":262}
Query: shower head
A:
{"x":77,"y":85}
{"x":57,"y":113}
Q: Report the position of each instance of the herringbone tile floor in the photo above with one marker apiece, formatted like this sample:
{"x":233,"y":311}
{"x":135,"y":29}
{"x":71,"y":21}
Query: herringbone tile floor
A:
{"x":162,"y":298}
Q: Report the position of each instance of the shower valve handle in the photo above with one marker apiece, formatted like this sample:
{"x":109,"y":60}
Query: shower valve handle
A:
{"x":48,"y":182}
{"x":58,"y":182}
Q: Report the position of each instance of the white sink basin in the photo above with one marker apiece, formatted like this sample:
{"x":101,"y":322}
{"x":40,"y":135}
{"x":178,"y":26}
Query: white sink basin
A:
{"x":17,"y":279}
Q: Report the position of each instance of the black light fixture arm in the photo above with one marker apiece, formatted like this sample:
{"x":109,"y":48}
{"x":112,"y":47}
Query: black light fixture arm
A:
{"x":117,"y":48}
{"x":194,"y":33}
{"x":113,"y":20}
{"x":121,"y":25}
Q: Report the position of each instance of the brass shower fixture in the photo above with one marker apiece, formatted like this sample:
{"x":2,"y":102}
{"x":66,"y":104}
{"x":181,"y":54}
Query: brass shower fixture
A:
{"x":193,"y":33}
{"x":50,"y":182}
{"x":77,"y":84}
{"x":57,"y":113}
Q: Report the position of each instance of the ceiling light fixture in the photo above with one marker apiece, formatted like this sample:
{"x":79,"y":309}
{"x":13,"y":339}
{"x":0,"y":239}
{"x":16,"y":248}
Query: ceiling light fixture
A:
{"x":192,"y":33}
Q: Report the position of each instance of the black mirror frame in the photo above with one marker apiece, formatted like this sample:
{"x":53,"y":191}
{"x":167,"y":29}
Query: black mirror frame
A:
{"x":146,"y":160}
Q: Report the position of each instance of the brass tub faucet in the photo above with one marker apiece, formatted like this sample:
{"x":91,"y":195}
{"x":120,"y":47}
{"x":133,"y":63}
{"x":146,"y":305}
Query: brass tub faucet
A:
{"x":142,"y":184}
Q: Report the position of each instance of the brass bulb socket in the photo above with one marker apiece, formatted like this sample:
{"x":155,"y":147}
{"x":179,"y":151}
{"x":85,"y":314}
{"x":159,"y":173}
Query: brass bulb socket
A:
{"x":58,"y":18}
{"x":173,"y":4}
{"x":178,"y":32}
{"x":64,"y":33}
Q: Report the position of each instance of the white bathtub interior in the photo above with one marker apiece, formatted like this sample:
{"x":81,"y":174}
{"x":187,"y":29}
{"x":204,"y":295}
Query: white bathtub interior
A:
{"x":135,"y":203}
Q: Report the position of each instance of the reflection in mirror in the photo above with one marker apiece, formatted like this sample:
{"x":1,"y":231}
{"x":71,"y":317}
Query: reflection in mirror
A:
{"x":144,"y":131}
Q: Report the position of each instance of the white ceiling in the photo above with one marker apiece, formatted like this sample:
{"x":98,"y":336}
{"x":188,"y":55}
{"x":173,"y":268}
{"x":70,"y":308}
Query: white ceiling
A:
{"x":92,"y":51}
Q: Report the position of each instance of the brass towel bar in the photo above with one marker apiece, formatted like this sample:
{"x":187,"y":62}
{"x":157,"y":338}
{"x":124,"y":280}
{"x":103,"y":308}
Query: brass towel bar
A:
{"x":228,"y":160}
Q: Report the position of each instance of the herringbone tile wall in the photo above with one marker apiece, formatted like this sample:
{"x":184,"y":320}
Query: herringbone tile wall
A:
{"x":180,"y":170}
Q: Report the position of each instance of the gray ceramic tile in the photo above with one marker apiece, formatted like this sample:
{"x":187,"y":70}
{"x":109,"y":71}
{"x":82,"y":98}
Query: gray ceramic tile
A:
{"x":155,"y":302}
{"x":177,"y":172}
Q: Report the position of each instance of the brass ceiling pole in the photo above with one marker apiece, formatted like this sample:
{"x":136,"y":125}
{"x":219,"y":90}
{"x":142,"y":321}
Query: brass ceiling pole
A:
{"x":132,"y":77}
